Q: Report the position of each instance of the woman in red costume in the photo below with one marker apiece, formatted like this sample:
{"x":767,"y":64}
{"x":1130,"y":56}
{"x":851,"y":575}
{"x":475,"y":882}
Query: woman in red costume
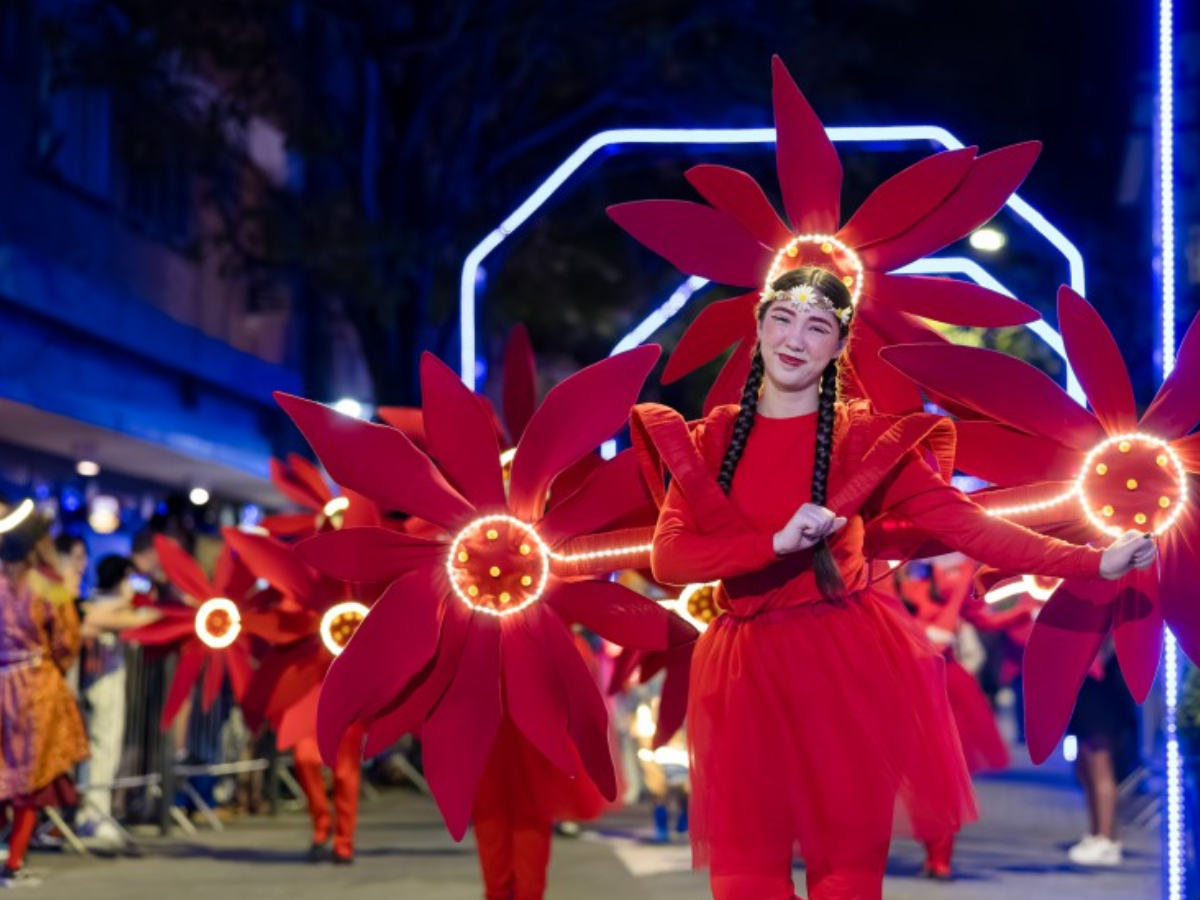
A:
{"x":818,"y":712}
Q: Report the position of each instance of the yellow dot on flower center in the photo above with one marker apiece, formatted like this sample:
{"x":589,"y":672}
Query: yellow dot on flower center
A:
{"x":827,"y":247}
{"x":1164,"y":502}
{"x":526,"y":581}
{"x":463,"y":556}
{"x":495,"y":571}
{"x":847,"y":280}
{"x":1161,"y":459}
{"x":1102,"y":469}
{"x":1124,"y":446}
{"x":1108,"y":511}
{"x":793,"y":251}
{"x":525,"y":549}
{"x":1140,"y":518}
{"x":1131,"y":484}
{"x":473,"y":591}
{"x":505,"y":596}
{"x":492,"y":534}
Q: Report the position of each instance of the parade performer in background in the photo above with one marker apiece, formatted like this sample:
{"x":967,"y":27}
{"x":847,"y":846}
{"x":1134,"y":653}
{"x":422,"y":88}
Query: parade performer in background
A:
{"x":42,"y":736}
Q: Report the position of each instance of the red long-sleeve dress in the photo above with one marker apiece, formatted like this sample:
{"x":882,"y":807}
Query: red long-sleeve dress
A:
{"x":813,"y":725}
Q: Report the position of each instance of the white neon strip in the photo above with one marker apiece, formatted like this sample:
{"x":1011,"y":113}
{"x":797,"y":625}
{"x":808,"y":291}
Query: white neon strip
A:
{"x":1176,"y":881}
{"x":657,"y":319}
{"x":17,"y":516}
{"x":473,"y":263}
{"x":996,"y":595}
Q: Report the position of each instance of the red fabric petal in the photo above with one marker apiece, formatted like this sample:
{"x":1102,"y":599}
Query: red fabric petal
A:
{"x":571,"y":479}
{"x":377,"y":461}
{"x":1097,"y":362}
{"x":214,"y":676}
{"x":299,"y":721}
{"x":1176,"y":407}
{"x":948,"y":300}
{"x":231,"y":577}
{"x":300,"y":481}
{"x":575,"y":418}
{"x":624,"y":665}
{"x":906,"y":198}
{"x":277,"y":627}
{"x":361,"y":513}
{"x":409,"y":711}
{"x":393,"y":643}
{"x":1001,"y":386}
{"x":520,"y":393}
{"x":462,"y":729}
{"x":614,"y":490}
{"x":181,"y":570}
{"x":730,"y":382}
{"x":718,"y":327}
{"x":174,"y":626}
{"x":275,"y":562}
{"x":369,"y":555}
{"x":810,"y":172}
{"x":533,"y":693}
{"x":408,"y":420}
{"x":288,"y":526}
{"x":1007,"y":457}
{"x":1138,"y":630}
{"x":696,"y":239}
{"x":740,"y":197}
{"x":1066,"y":637}
{"x":878,"y":380}
{"x":672,"y":705}
{"x":237,"y":659}
{"x":981,"y":194}
{"x":460,"y":436}
{"x":1179,"y":563}
{"x":274,"y":671}
{"x":187,"y":670}
{"x":620,"y":616}
{"x":301,"y":680}
{"x":587,"y":716}
{"x":1188,"y":450}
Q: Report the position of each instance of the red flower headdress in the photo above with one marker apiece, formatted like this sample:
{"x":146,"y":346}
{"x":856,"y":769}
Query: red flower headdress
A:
{"x":740,"y":240}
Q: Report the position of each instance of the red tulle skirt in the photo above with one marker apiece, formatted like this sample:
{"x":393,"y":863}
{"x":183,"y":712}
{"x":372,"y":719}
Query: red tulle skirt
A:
{"x":820,"y":729}
{"x":982,"y":744}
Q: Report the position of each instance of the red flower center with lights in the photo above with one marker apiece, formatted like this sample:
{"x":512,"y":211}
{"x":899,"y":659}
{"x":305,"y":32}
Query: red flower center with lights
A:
{"x":498,"y":565}
{"x":1132,"y":481}
{"x":218,"y":622}
{"x":700,"y":603}
{"x":340,"y":623}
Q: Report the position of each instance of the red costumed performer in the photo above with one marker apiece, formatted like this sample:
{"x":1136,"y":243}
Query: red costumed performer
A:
{"x":808,"y":665}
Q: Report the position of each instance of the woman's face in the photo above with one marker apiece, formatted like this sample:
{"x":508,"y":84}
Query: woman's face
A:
{"x":797,"y":344}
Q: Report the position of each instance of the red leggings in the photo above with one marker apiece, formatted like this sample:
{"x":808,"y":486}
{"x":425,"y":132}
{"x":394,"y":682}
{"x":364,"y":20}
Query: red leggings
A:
{"x":23,"y":820}
{"x":939,"y":854}
{"x":769,"y":876}
{"x":347,"y":774}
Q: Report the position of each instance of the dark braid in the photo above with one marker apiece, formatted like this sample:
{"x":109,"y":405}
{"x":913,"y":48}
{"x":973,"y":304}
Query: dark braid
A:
{"x":829,"y":578}
{"x":744,"y":422}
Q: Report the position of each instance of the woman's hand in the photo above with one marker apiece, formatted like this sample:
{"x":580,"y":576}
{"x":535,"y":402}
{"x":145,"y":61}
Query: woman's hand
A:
{"x":1132,"y":550}
{"x":810,"y":525}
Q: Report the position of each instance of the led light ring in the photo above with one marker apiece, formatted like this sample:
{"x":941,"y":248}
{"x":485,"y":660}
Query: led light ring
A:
{"x":473,"y":528}
{"x":206,"y":610}
{"x":1135,"y":437}
{"x":1036,"y":590}
{"x":347,"y":608}
{"x":825,"y":241}
{"x":1006,"y":511}
{"x":335,"y":506}
{"x":680,"y":605}
{"x":601,"y":554}
{"x":507,"y":457}
{"x":17,"y":516}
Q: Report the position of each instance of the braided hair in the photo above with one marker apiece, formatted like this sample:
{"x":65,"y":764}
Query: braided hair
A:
{"x":828,"y":577}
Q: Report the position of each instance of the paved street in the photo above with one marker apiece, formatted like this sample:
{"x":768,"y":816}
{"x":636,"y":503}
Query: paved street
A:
{"x":1030,"y":816}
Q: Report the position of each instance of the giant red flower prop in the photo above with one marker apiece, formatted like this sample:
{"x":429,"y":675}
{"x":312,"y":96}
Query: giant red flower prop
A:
{"x":1084,"y":475}
{"x":473,"y":625}
{"x":326,"y":613}
{"x":740,"y":240}
{"x":213,"y":638}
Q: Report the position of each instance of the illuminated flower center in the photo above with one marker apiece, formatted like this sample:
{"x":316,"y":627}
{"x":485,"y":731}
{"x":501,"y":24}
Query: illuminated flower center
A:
{"x":339,"y":624}
{"x":824,"y":251}
{"x":697,"y":603}
{"x":334,"y":509}
{"x":218,"y":623}
{"x":1132,"y":481}
{"x":1040,"y":587}
{"x":498,"y":565}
